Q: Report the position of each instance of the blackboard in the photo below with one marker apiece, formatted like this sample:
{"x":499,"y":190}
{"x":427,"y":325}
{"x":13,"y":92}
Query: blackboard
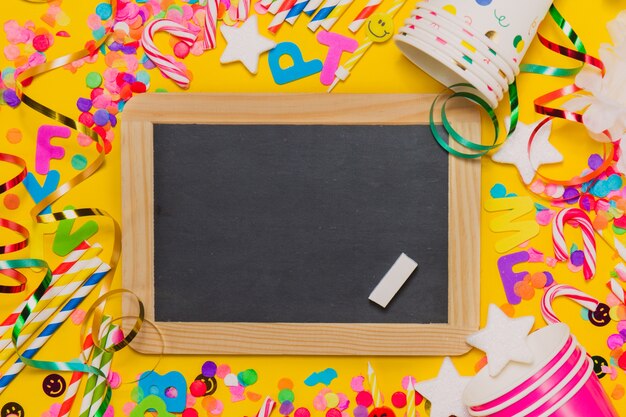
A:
{"x":276,"y":222}
{"x":308,"y":216}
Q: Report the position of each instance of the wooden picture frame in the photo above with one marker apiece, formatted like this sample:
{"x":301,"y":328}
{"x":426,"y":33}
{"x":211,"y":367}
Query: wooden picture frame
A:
{"x":297,"y":338}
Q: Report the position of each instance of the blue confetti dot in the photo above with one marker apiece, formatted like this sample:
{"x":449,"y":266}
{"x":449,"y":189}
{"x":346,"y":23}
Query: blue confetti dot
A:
{"x":614,"y":182}
{"x":498,"y":191}
{"x":101,"y":117}
{"x":143,"y":77}
{"x":484,"y":2}
{"x":600,"y":189}
{"x":104,"y":10}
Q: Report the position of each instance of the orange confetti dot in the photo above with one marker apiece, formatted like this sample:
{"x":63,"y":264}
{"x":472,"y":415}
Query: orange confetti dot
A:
{"x":621,"y":204}
{"x":285,"y":383}
{"x":600,"y":222}
{"x":253,"y":396}
{"x":208,"y":403}
{"x":538,"y":280}
{"x":480,"y":364}
{"x":618,"y":392}
{"x":527,"y":278}
{"x":14,"y":135}
{"x":11,"y":201}
{"x":616,"y":353}
{"x":508,"y":309}
{"x":524,"y":290}
{"x":20,"y":61}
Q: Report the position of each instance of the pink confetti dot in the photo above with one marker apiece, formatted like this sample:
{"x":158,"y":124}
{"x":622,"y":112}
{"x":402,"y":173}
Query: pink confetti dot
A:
{"x":398,"y":399}
{"x":222,"y":371}
{"x":110,"y":412}
{"x":11,"y":52}
{"x":197,"y":388}
{"x":181,"y":50}
{"x":302,"y":412}
{"x":357,"y":383}
{"x":128,"y":407}
{"x":115,"y":380}
{"x":41,"y":43}
{"x":333,"y":412}
{"x":344,"y":402}
{"x":78,"y":315}
{"x":190,"y":412}
{"x":544,"y":217}
{"x":364,"y":398}
{"x":319,"y":403}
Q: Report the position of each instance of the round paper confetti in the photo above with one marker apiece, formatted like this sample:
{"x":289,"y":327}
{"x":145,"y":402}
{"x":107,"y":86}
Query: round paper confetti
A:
{"x":302,"y":412}
{"x":209,"y":368}
{"x":247,"y":377}
{"x":364,"y":398}
{"x":14,"y":135}
{"x":79,"y":162}
{"x":93,"y":80}
{"x":286,"y":408}
{"x":398,"y":399}
{"x":332,"y":400}
{"x":11,"y":201}
{"x":189,"y":412}
{"x":286,"y":395}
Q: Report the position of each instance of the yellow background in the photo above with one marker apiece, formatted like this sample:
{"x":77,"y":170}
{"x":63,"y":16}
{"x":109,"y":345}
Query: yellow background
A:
{"x":382,"y":70}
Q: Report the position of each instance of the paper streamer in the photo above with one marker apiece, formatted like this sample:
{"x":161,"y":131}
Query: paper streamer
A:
{"x":569,"y":292}
{"x":168,"y":66}
{"x":577,"y":217}
{"x":373,"y":382}
{"x":366,"y":12}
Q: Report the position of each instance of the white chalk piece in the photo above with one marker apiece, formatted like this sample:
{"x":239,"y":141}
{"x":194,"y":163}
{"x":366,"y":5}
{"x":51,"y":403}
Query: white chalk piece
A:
{"x":393,"y":280}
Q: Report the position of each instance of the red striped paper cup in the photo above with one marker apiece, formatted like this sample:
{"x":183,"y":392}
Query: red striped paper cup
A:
{"x":559,"y":383}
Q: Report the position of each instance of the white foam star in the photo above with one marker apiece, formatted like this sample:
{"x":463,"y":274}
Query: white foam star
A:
{"x":445,"y":392}
{"x":515,"y":150}
{"x":503,"y":340}
{"x":245,"y":44}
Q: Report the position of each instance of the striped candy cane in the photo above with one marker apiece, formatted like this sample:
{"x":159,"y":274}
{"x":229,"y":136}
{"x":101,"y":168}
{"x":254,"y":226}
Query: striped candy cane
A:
{"x":210,"y":23}
{"x":266,"y":407}
{"x":570,"y":292}
{"x":243,"y":10}
{"x":366,"y":12}
{"x":54,"y":325}
{"x":617,"y":290}
{"x":296,"y":11}
{"x":337,"y":12}
{"x":577,"y":217}
{"x":322,"y":14}
{"x":79,"y":272}
{"x":281,"y":15}
{"x":67,"y":263}
{"x":72,"y":388}
{"x":167,"y":65}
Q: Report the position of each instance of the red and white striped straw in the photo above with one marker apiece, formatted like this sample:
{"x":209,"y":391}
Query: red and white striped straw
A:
{"x":167,"y":65}
{"x":567,"y":291}
{"x":617,"y":290}
{"x":577,"y":217}
{"x":74,"y":385}
{"x":210,"y":23}
{"x":281,"y":15}
{"x":366,"y":12}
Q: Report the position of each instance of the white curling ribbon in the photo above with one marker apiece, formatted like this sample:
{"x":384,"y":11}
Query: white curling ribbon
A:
{"x":604,"y":97}
{"x":561,"y":290}
{"x":166,"y":64}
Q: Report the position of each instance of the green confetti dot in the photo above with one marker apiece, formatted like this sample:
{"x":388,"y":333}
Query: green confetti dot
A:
{"x":79,"y":162}
{"x":247,"y":377}
{"x":136,"y":395}
{"x":286,"y":395}
{"x":93,"y":80}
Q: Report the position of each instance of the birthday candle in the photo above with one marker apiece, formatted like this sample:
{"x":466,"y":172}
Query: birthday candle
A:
{"x":373,"y":381}
{"x":410,"y":402}
{"x":366,"y":12}
{"x":54,"y":325}
{"x":72,"y":388}
{"x":322,"y":14}
{"x":82,"y":270}
{"x":296,"y":11}
{"x":339,"y":10}
{"x":344,"y":70}
{"x":281,"y":15}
